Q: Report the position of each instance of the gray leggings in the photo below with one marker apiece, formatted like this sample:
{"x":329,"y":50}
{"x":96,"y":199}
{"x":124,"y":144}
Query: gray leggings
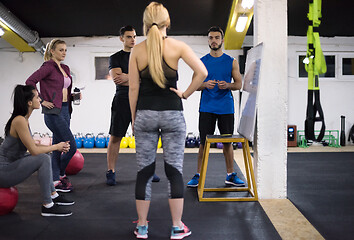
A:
{"x":19,"y":170}
{"x":147,"y":128}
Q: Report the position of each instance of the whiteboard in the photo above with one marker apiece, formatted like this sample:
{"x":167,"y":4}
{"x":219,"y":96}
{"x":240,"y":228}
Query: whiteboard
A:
{"x":250,"y":90}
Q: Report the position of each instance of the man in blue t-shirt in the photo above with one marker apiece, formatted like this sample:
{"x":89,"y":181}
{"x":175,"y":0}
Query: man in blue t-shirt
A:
{"x":217,"y":103}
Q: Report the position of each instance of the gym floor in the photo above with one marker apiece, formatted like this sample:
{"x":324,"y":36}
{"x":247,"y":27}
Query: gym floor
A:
{"x":319,"y":204}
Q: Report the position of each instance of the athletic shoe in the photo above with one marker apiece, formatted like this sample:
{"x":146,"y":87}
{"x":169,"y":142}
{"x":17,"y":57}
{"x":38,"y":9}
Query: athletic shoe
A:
{"x":65,"y":180}
{"x":55,"y":211}
{"x":60,"y":187}
{"x":194,"y":181}
{"x":180,"y":233}
{"x":155,"y":178}
{"x":111,"y":178}
{"x":141,"y":232}
{"x":232,"y":179}
{"x":61,"y":200}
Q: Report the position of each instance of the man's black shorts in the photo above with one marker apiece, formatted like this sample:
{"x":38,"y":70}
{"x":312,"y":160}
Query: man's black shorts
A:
{"x":120,"y":116}
{"x":207,"y":122}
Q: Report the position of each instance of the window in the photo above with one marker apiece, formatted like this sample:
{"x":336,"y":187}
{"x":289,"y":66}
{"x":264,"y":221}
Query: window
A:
{"x":101,"y":68}
{"x":331,"y":67}
{"x":348,"y":66}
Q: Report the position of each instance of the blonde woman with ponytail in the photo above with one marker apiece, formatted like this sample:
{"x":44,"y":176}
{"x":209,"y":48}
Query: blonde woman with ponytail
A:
{"x":55,"y":84}
{"x":156,"y":107}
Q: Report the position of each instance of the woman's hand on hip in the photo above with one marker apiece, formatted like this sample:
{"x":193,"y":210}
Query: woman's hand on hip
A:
{"x":47,"y":104}
{"x":177,"y":91}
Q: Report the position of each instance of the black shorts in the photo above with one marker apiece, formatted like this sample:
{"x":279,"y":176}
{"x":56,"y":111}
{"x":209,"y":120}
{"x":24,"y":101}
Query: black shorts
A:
{"x":120,"y":117}
{"x":207,"y":122}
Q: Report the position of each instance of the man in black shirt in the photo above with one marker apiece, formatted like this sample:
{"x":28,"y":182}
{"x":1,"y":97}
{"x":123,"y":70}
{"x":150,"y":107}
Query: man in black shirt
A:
{"x":120,"y":110}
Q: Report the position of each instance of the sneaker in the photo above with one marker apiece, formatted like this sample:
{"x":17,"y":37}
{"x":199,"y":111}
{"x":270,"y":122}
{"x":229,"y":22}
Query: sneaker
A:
{"x":180,"y":233}
{"x":155,"y":178}
{"x":55,"y":211}
{"x":232,"y":179}
{"x":194,"y":181}
{"x":65,"y":180}
{"x":61,"y":200}
{"x":111,"y":178}
{"x":141,"y":231}
{"x":61,"y":187}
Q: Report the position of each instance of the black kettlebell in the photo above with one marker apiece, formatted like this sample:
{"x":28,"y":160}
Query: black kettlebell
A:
{"x":190,"y":140}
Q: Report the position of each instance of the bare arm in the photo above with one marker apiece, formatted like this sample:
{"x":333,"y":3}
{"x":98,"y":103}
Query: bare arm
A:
{"x":134,"y":84}
{"x":19,"y":128}
{"x":200,"y":72}
{"x":36,"y":77}
{"x":119,"y":77}
{"x":236,"y":75}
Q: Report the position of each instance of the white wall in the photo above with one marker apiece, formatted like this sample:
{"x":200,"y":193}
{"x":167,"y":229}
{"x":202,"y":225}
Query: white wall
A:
{"x":93,"y":114}
{"x":336,"y":94}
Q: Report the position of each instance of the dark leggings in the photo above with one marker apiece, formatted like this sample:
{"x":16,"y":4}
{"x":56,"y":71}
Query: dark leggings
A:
{"x":60,"y":127}
{"x":147,"y":128}
{"x":19,"y":170}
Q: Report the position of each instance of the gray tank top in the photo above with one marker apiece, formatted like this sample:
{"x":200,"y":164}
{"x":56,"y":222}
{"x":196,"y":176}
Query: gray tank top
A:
{"x":11,"y":150}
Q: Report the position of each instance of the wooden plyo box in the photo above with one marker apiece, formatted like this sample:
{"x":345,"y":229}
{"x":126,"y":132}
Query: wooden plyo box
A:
{"x":251,"y":184}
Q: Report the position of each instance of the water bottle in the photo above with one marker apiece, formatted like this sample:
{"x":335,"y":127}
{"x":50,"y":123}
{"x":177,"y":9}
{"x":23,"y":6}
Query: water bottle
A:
{"x":76,"y":96}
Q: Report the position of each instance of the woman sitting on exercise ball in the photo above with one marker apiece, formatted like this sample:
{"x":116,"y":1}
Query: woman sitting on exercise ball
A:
{"x":16,"y":164}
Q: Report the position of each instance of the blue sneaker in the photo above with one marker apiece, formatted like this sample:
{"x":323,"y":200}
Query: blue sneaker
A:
{"x":232,"y":179}
{"x":155,"y":178}
{"x":111,"y":178}
{"x":141,"y":232}
{"x":180,"y":233}
{"x":194,"y":181}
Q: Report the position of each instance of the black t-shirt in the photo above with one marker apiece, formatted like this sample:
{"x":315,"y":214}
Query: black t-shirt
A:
{"x":120,"y":60}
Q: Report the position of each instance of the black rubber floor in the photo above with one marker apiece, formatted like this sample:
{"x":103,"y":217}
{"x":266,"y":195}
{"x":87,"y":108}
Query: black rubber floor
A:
{"x":321,"y":186}
{"x":103,"y":212}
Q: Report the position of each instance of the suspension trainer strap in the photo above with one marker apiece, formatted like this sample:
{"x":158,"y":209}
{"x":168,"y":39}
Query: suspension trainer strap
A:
{"x":314,"y":66}
{"x":314,"y":107}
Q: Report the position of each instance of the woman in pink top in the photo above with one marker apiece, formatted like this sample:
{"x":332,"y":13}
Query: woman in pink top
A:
{"x":55,"y":91}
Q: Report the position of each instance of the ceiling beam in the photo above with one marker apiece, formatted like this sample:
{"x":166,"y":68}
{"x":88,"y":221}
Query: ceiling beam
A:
{"x":14,"y":39}
{"x":234,"y":39}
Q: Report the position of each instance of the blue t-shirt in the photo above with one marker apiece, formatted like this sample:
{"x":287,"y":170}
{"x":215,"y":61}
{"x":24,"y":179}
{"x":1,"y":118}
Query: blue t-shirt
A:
{"x":218,"y":101}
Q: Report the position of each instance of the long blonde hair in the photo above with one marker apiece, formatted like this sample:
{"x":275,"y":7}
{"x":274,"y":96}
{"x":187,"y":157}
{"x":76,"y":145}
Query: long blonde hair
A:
{"x":51,"y":45}
{"x":155,"y":17}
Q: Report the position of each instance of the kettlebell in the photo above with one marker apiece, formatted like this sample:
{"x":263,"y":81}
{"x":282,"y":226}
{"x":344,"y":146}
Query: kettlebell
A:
{"x":197,"y":142}
{"x":159,"y":143}
{"x":78,"y":140}
{"x":100,"y":141}
{"x":89,"y":140}
{"x":124,"y":142}
{"x":37,"y":137}
{"x":190,"y":140}
{"x":131,"y":142}
{"x":219,"y":145}
{"x":46,"y":139}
